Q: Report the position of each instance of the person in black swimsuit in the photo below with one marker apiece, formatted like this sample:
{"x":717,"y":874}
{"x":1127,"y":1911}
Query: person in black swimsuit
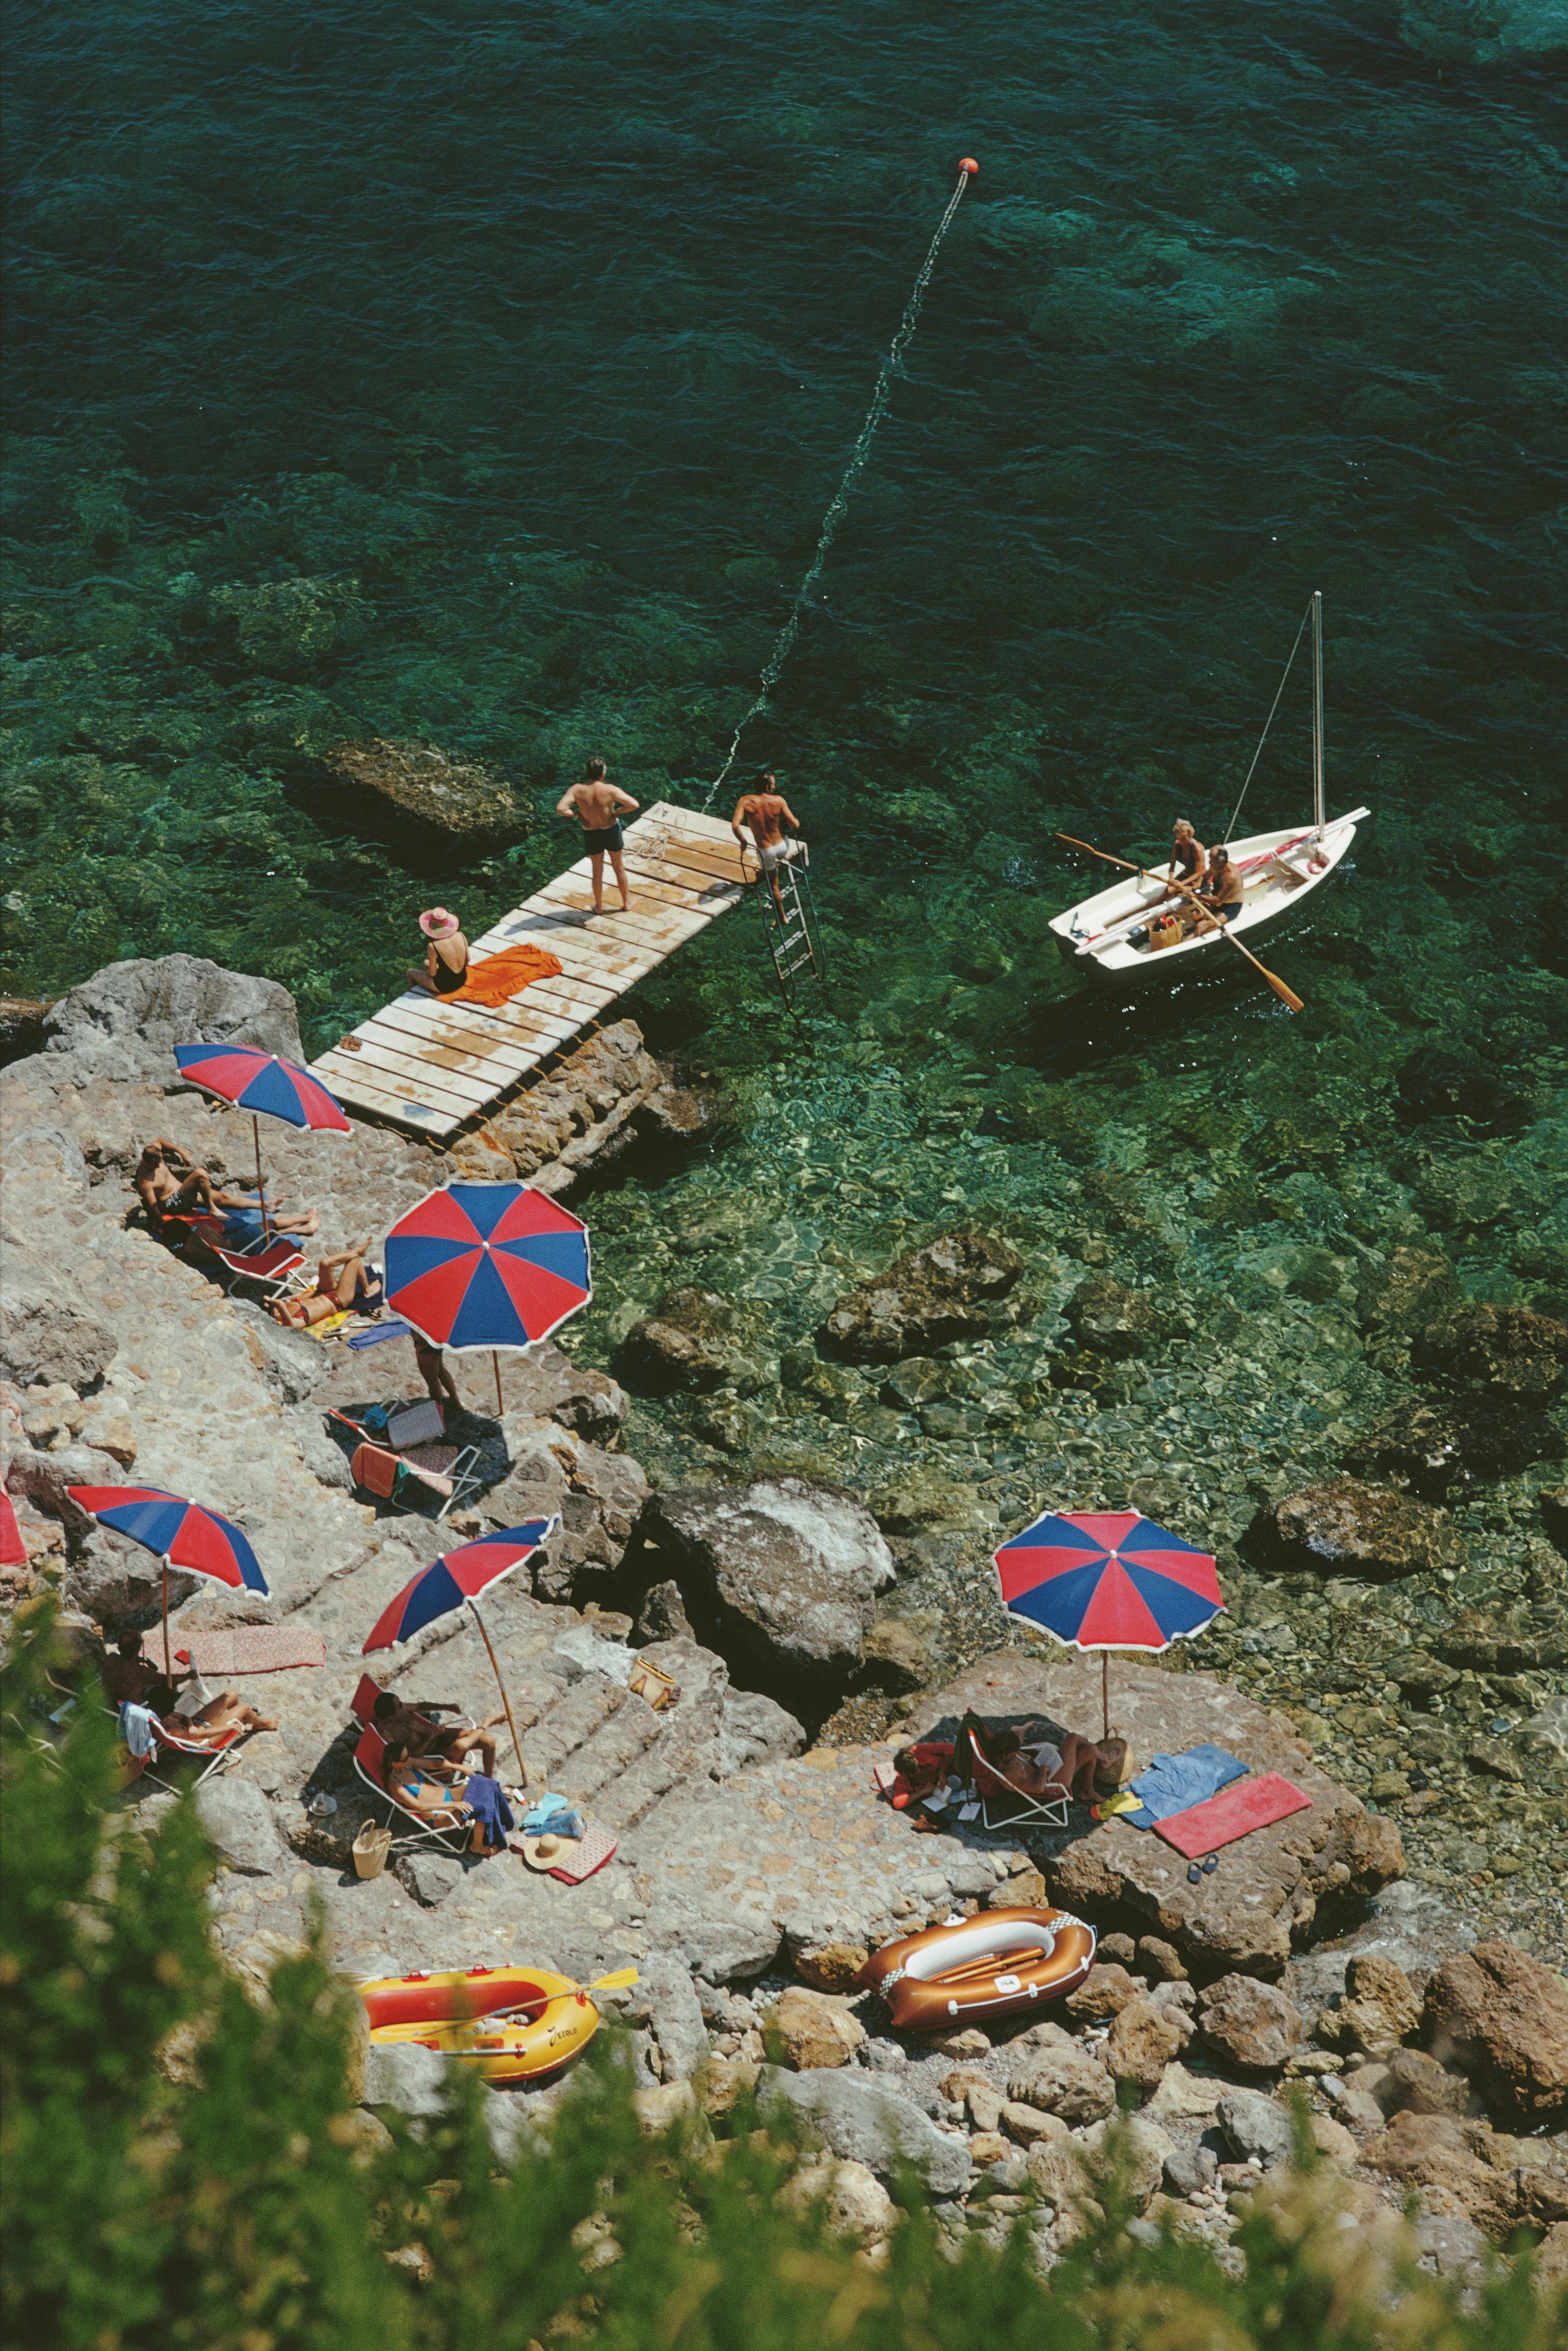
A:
{"x":445,"y":957}
{"x":596,"y":803}
{"x":1187,"y":853}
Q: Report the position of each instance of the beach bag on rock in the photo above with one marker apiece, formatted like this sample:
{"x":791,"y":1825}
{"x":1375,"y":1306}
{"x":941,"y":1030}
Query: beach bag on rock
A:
{"x":651,"y":1682}
{"x":371,"y":1849}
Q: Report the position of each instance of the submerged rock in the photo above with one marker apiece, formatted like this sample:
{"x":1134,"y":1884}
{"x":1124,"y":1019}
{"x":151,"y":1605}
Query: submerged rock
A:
{"x":1115,"y":1320}
{"x":948,"y":1290}
{"x":458,"y":796}
{"x":1341,"y":1527}
{"x":694,"y":1340}
{"x":1506,"y":1347}
{"x":1428,"y":1446}
{"x":779,"y":1575}
{"x":1435,"y":1085}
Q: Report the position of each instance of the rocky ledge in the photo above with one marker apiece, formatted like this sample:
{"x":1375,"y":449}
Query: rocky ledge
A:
{"x":755,"y":1869}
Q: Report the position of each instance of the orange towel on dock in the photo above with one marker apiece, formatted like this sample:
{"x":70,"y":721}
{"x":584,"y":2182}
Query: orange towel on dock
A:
{"x":504,"y":974}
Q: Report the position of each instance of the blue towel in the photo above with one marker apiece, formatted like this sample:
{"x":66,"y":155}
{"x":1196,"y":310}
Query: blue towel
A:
{"x":486,"y":1801}
{"x":136,"y":1728}
{"x":1172,"y":1783}
{"x":377,"y":1332}
{"x":541,"y":1812}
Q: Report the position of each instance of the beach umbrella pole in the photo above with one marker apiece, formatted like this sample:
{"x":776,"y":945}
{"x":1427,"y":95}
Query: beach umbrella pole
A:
{"x":261,"y":1187}
{"x":505,"y":1701}
{"x":168,"y":1661}
{"x":500,"y":1407}
{"x":1106,"y":1690}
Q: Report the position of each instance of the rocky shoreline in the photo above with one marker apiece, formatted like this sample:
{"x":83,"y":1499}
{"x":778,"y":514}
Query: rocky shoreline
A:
{"x":1384,"y":1952}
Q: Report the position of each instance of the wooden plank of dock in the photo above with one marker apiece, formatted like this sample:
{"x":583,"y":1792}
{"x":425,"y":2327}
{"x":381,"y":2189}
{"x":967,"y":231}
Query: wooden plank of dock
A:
{"x":425,"y":1062}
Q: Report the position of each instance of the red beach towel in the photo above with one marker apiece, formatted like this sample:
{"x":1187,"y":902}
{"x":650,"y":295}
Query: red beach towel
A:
{"x":1236,"y":1812}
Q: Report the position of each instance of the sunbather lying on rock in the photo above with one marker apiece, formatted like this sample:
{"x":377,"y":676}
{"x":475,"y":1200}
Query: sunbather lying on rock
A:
{"x":345,"y":1284}
{"x":167,"y":1184}
{"x":1029,"y":1760}
{"x":211,"y":1723}
{"x":442,"y":1747}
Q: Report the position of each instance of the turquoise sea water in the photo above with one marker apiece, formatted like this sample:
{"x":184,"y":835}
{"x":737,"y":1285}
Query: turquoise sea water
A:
{"x":481,"y":376}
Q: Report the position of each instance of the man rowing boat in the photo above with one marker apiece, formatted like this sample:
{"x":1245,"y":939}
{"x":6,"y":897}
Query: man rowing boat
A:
{"x":1220,"y":890}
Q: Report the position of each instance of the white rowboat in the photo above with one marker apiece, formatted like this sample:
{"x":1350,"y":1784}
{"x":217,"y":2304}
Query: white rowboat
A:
{"x":1108,"y":938}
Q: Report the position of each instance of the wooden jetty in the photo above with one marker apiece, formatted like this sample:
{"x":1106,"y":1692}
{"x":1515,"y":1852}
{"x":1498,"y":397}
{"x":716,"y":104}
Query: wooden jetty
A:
{"x":426,"y":1064}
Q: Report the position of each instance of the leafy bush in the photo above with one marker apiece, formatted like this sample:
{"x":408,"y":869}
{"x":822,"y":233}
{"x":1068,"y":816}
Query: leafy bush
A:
{"x":184,"y":2166}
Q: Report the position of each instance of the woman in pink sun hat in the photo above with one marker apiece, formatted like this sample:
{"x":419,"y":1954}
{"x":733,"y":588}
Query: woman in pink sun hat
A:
{"x":445,"y":957}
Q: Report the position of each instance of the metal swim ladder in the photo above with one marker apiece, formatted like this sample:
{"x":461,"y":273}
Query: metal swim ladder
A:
{"x":790,"y":926}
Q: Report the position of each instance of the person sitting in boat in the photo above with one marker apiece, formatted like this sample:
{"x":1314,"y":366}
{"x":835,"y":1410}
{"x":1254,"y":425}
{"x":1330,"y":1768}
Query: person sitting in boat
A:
{"x":1187,"y":854}
{"x":1032,"y":1763}
{"x":441,"y":1746}
{"x":1220,"y":890}
{"x":446,"y":955}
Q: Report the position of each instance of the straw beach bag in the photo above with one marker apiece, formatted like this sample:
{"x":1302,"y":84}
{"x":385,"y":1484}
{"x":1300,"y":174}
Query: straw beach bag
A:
{"x":372,"y":1847}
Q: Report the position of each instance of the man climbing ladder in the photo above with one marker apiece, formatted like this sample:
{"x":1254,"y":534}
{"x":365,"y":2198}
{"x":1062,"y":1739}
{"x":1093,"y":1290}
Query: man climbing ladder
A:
{"x":766,"y":812}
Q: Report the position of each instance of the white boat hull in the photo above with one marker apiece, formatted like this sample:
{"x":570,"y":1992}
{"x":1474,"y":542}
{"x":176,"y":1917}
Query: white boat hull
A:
{"x":1281,"y":871}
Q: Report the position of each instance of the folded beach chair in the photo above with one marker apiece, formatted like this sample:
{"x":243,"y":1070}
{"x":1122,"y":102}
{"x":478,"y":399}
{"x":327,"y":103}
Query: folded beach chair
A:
{"x":409,"y":1478}
{"x":276,"y":1267}
{"x":406,"y":1825}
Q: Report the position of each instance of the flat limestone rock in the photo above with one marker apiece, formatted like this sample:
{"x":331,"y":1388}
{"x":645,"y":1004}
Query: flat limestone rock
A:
{"x":457,"y":796}
{"x":1258,"y":1905}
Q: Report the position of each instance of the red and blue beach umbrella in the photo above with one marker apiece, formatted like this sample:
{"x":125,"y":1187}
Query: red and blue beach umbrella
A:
{"x":259,"y":1082}
{"x":488,"y":1265}
{"x":453,"y":1581}
{"x":1107,"y":1580}
{"x":181,"y":1533}
{"x":266,"y":1087}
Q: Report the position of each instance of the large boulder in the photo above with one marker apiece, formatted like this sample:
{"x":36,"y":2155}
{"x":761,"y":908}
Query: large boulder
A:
{"x":48,"y":1330}
{"x":239,"y":1820}
{"x":1261,"y":1902}
{"x":171,"y":1000}
{"x":1378,"y":2008}
{"x":815,"y":2028}
{"x":1506,"y":1347}
{"x":1250,"y":2025}
{"x":1254,"y":2125}
{"x":948,"y":1290}
{"x":781,"y":1576}
{"x":1052,"y":2071}
{"x":1341,"y":1527}
{"x":1497,"y":2180}
{"x":856,"y":2118}
{"x":1503,"y":2018}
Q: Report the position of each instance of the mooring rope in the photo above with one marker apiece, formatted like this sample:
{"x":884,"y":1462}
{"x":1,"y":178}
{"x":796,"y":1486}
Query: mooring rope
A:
{"x":858,"y":456}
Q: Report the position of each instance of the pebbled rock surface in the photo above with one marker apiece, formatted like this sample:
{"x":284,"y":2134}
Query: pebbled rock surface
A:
{"x":952,"y":1286}
{"x":780,"y":1574}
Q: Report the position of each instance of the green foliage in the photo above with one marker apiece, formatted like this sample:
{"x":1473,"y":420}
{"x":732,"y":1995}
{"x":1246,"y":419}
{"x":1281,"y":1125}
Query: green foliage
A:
{"x":184,"y":2168}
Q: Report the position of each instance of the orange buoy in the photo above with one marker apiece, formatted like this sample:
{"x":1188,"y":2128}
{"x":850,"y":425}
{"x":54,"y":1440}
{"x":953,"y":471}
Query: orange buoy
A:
{"x":967,"y":163}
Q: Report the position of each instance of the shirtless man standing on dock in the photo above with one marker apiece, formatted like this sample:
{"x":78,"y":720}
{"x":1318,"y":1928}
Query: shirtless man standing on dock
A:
{"x":767,"y":811}
{"x":598,"y":803}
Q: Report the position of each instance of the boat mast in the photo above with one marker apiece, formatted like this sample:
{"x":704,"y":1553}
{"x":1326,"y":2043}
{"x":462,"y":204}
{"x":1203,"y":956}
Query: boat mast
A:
{"x":1320,"y":814}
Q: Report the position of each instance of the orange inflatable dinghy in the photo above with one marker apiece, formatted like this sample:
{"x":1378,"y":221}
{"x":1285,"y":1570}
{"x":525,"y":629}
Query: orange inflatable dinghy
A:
{"x":510,"y":2024}
{"x":996,"y":1964}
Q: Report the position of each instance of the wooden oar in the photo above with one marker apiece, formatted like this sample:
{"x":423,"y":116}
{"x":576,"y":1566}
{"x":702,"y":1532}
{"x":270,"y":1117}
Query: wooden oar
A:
{"x":1286,"y":996}
{"x":528,"y":2011}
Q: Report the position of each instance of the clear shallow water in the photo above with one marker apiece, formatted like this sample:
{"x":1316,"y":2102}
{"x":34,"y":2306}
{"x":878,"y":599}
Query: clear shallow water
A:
{"x":484,"y":380}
